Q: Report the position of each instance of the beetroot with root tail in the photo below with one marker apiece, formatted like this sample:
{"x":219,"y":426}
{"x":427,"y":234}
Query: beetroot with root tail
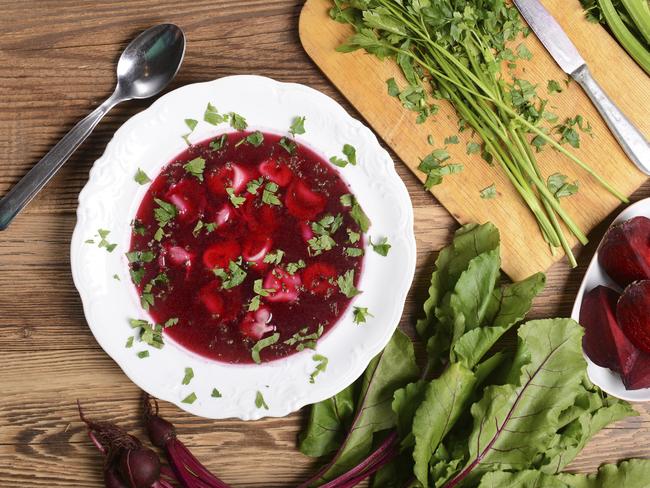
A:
{"x":604,"y":341}
{"x":127,"y":463}
{"x":189,"y":471}
{"x":625,"y":251}
{"x":633,"y":313}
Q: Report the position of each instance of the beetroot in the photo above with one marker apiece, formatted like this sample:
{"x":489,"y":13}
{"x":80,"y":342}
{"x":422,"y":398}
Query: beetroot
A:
{"x":633,"y":313}
{"x":604,"y":341}
{"x":625,"y":251}
{"x":639,"y":375}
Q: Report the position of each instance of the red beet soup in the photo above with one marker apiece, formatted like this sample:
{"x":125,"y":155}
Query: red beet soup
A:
{"x":247,"y":247}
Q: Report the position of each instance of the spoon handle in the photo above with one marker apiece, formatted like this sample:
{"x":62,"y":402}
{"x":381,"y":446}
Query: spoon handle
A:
{"x":37,"y":177}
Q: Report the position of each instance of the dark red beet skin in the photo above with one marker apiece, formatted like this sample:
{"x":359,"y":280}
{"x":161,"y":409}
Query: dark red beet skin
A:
{"x":633,"y":313}
{"x":625,"y":251}
{"x":214,"y":320}
{"x":604,"y":341}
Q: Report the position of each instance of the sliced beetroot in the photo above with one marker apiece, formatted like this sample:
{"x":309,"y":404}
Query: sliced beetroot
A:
{"x":276,"y":171}
{"x":220,"y":254}
{"x":285,"y":285}
{"x":625,"y":251}
{"x":633,"y":313}
{"x":256,"y":324}
{"x":303,"y":202}
{"x":639,"y":376}
{"x":231,"y":175}
{"x":604,"y":341}
{"x":188,"y":197}
{"x":319,"y":278}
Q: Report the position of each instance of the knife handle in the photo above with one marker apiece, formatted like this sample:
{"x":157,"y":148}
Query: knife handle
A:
{"x":627,"y":135}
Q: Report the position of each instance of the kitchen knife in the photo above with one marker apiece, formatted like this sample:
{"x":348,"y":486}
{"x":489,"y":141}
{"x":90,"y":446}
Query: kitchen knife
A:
{"x":568,"y":58}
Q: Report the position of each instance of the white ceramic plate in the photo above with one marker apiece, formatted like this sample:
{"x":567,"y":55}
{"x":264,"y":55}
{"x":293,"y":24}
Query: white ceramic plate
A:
{"x":111,"y":198}
{"x":605,"y":378}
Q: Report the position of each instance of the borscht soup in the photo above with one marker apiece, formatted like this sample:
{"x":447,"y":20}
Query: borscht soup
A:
{"x":247,"y":248}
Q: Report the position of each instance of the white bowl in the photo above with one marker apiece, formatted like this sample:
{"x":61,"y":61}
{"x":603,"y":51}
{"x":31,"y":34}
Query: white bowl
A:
{"x":605,"y":378}
{"x":149,"y":140}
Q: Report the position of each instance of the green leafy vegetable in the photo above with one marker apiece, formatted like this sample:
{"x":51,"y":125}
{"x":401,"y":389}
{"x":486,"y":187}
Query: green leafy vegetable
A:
{"x":234,"y":276}
{"x":346,"y":284}
{"x":189,"y":399}
{"x":304,"y":340}
{"x":216,"y":393}
{"x":212,"y":116}
{"x":393,"y":89}
{"x":288,"y":145}
{"x":237,"y":122}
{"x":220,"y":143}
{"x":143,"y":354}
{"x":560,"y":187}
{"x":382,"y":247}
{"x":141,"y":177}
{"x":195,"y":167}
{"x":321,"y":366}
{"x":553,"y":87}
{"x":489,"y":192}
{"x":297,"y":126}
{"x":269,"y":195}
{"x":236,"y":200}
{"x":189,"y":374}
{"x":165,"y":212}
{"x":360,"y":315}
{"x":259,"y":401}
{"x":261,"y":344}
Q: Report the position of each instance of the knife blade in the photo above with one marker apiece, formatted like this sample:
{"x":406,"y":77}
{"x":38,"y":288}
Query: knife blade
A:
{"x":566,"y":55}
{"x":552,"y":36}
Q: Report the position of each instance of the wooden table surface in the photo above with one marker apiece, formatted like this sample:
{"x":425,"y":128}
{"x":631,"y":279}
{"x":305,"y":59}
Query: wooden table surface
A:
{"x":56,"y":64}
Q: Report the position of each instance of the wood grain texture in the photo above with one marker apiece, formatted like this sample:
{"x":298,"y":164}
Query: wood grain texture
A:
{"x":56,"y":64}
{"x":362,"y":80}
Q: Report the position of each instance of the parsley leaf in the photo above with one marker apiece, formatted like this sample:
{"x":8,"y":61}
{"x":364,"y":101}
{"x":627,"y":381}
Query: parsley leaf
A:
{"x":288,"y":145}
{"x":558,"y":185}
{"x":524,"y":53}
{"x":292,"y":268}
{"x":196,"y":167}
{"x":489,"y":192}
{"x":103,"y":243}
{"x":303,"y":340}
{"x":351,"y":157}
{"x":253,"y":186}
{"x":354,"y":252}
{"x":189,"y":374}
{"x":212,"y":115}
{"x":318,"y":244}
{"x":143,"y":354}
{"x":140,"y":256}
{"x":220,"y":143}
{"x":353,"y":237}
{"x":360,"y":315}
{"x":359,"y":216}
{"x":393,"y":89}
{"x":261,"y":344}
{"x":165,"y":212}
{"x":432,"y":166}
{"x":382,"y":247}
{"x":268,"y":195}
{"x":189,"y":399}
{"x":473,"y":147}
{"x":234,"y":277}
{"x":451,"y":140}
{"x":553,"y":87}
{"x":274,"y":257}
{"x":320,"y":367}
{"x":141,"y":177}
{"x":129,"y":342}
{"x":297,"y":126}
{"x":346,"y":284}
{"x":216,"y":393}
{"x":255,"y":139}
{"x":191,"y":123}
{"x":237,"y":122}
{"x":236,"y":201}
{"x":259,"y":401}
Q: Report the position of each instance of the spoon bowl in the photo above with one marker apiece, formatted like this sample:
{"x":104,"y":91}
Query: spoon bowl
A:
{"x":144,"y":69}
{"x":150,"y":61}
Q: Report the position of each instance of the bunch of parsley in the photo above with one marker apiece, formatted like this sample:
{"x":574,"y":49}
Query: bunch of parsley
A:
{"x":454,"y":50}
{"x":476,"y":414}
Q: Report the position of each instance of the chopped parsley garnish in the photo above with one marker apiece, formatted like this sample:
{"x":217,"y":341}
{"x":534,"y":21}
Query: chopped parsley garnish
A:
{"x":359,"y":216}
{"x":137,"y":275}
{"x":523,"y":52}
{"x":353,"y":237}
{"x":236,"y":201}
{"x":220,"y":143}
{"x":568,"y":133}
{"x":559,"y":186}
{"x":116,"y":277}
{"x":216,"y":393}
{"x":195,"y":168}
{"x":237,"y":122}
{"x":347,"y":200}
{"x":138,"y":228}
{"x":393,"y":89}
{"x":141,"y":177}
{"x":165,"y":212}
{"x":329,"y":224}
{"x":171,"y":322}
{"x":261,"y":344}
{"x":360,"y":315}
{"x":489,"y":192}
{"x":297,"y":126}
{"x":259,"y":401}
{"x":235,"y":275}
{"x":129,"y":342}
{"x":351,"y":157}
{"x":382,"y":247}
{"x":189,"y":374}
{"x":268,"y":195}
{"x":209,"y":227}
{"x":346,"y":284}
{"x":553,"y":87}
{"x":140,"y":256}
{"x":160,"y":233}
{"x":274,"y":257}
{"x":473,"y":147}
{"x":253,"y":186}
{"x":212,"y":115}
{"x":143,"y":354}
{"x":320,"y":367}
{"x":451,"y":140}
{"x":354,"y":252}
{"x":189,"y":399}
{"x":149,"y":334}
{"x":318,"y":244}
{"x":292,"y":268}
{"x":103,"y":243}
{"x":191,"y":123}
{"x":255,"y":139}
{"x":259,"y":291}
{"x":288,"y":145}
{"x":432,"y":166}
{"x":303,"y":340}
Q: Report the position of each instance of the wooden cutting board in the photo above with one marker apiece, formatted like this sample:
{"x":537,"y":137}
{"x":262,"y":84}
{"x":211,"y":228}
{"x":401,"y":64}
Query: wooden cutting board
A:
{"x":362,"y":80}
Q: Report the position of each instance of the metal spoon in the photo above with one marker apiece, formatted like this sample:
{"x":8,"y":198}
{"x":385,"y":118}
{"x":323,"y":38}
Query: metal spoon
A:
{"x":146,"y":66}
